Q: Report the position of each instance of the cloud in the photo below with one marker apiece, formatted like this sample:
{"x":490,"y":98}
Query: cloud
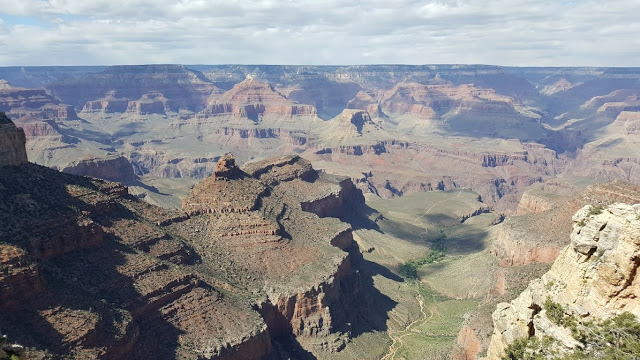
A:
{"x":516,"y":32}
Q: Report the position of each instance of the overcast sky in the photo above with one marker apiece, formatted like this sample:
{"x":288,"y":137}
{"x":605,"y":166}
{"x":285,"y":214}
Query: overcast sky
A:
{"x":502,"y":32}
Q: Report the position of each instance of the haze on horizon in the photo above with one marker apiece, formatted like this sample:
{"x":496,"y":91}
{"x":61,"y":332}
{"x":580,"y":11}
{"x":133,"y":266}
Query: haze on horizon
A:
{"x":331,"y":32}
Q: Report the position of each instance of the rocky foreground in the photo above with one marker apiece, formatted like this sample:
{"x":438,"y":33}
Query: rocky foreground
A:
{"x":90,"y":272}
{"x":594,"y":279}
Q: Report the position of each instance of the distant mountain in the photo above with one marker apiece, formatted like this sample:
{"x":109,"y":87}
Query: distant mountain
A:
{"x":493,"y":129}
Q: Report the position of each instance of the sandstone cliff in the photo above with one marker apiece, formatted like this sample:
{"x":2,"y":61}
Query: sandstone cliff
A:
{"x":91,"y":272}
{"x":253,"y":100}
{"x":113,"y":168}
{"x":594,"y":278}
{"x":542,"y":223}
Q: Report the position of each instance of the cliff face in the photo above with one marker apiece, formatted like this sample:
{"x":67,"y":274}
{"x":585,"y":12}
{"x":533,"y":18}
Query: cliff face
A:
{"x":137,"y":87}
{"x":166,"y":283}
{"x":411,"y":128}
{"x":12,"y":143}
{"x":20,"y":279}
{"x":593,"y":278}
{"x":114,"y":168}
{"x":253,"y":100}
{"x":541,"y":226}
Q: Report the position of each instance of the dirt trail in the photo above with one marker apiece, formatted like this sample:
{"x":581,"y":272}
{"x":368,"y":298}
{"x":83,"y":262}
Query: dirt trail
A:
{"x":396,"y":339}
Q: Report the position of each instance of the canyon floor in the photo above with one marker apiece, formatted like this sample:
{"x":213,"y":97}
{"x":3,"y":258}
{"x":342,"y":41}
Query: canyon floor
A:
{"x":430,"y":312}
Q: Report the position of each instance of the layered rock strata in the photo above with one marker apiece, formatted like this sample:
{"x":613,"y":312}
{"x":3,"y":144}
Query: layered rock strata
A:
{"x":115,"y":277}
{"x":113,"y":168}
{"x":594,"y":278}
{"x":541,"y":226}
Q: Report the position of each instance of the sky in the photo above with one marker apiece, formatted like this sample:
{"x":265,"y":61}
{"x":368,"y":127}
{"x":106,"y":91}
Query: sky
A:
{"x":320,"y":32}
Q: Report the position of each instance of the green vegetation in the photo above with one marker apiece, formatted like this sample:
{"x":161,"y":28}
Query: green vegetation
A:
{"x":612,"y":339}
{"x":596,"y":210}
{"x":409,"y":269}
{"x":555,"y":312}
{"x":436,"y":332}
{"x":582,"y":223}
{"x":12,"y":357}
{"x":530,"y":349}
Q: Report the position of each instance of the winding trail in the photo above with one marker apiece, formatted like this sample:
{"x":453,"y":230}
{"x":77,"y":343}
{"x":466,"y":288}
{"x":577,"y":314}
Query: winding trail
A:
{"x":398,"y":335}
{"x":397,"y":340}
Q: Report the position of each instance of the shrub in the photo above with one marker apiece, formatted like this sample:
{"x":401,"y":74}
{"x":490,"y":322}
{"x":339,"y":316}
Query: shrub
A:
{"x":555,"y":312}
{"x":408,"y":270}
{"x":596,"y":210}
{"x":613,"y":339}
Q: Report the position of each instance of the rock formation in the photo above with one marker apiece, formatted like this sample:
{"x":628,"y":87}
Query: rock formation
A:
{"x":542,"y":223}
{"x":113,"y":168}
{"x":12,"y":140}
{"x":412,"y":128}
{"x":182,"y":88}
{"x":252,"y":99}
{"x":91,"y":272}
{"x":593,"y":278}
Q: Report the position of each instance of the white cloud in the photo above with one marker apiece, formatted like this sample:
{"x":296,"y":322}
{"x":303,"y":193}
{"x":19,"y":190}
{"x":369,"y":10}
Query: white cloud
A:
{"x":515,"y":32}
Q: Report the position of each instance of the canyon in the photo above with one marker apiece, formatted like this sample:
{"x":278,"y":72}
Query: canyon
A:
{"x":91,"y":272}
{"x":392,"y":129}
{"x":135,"y":232}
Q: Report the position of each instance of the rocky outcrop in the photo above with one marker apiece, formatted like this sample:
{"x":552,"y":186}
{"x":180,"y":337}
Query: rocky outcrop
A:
{"x":544,"y":196}
{"x":150,"y":103}
{"x":12,"y":143}
{"x":32,"y":104}
{"x":113,"y":168}
{"x":314,"y":313}
{"x":20,"y":278}
{"x":467,"y":345}
{"x":281,"y":169}
{"x":630,"y":121}
{"x":593,"y":278}
{"x":558,"y":86}
{"x":529,"y":203}
{"x":341,"y":202}
{"x":151,"y":278}
{"x":107,"y":105}
{"x":538,"y":236}
{"x":38,"y":114}
{"x":220,"y":193}
{"x":351,"y":123}
{"x":252,"y":99}
{"x":515,"y":245}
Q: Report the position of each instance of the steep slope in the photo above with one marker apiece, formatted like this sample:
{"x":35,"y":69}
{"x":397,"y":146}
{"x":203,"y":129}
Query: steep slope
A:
{"x":416,"y":128}
{"x":38,"y":114}
{"x":542,"y":224}
{"x":593,"y":279}
{"x":183,"y":88}
{"x":112,"y":168}
{"x":12,"y":140}
{"x":91,"y":272}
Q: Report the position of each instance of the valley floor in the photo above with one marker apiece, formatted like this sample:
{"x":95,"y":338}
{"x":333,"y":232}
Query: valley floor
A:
{"x":427,"y":314}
